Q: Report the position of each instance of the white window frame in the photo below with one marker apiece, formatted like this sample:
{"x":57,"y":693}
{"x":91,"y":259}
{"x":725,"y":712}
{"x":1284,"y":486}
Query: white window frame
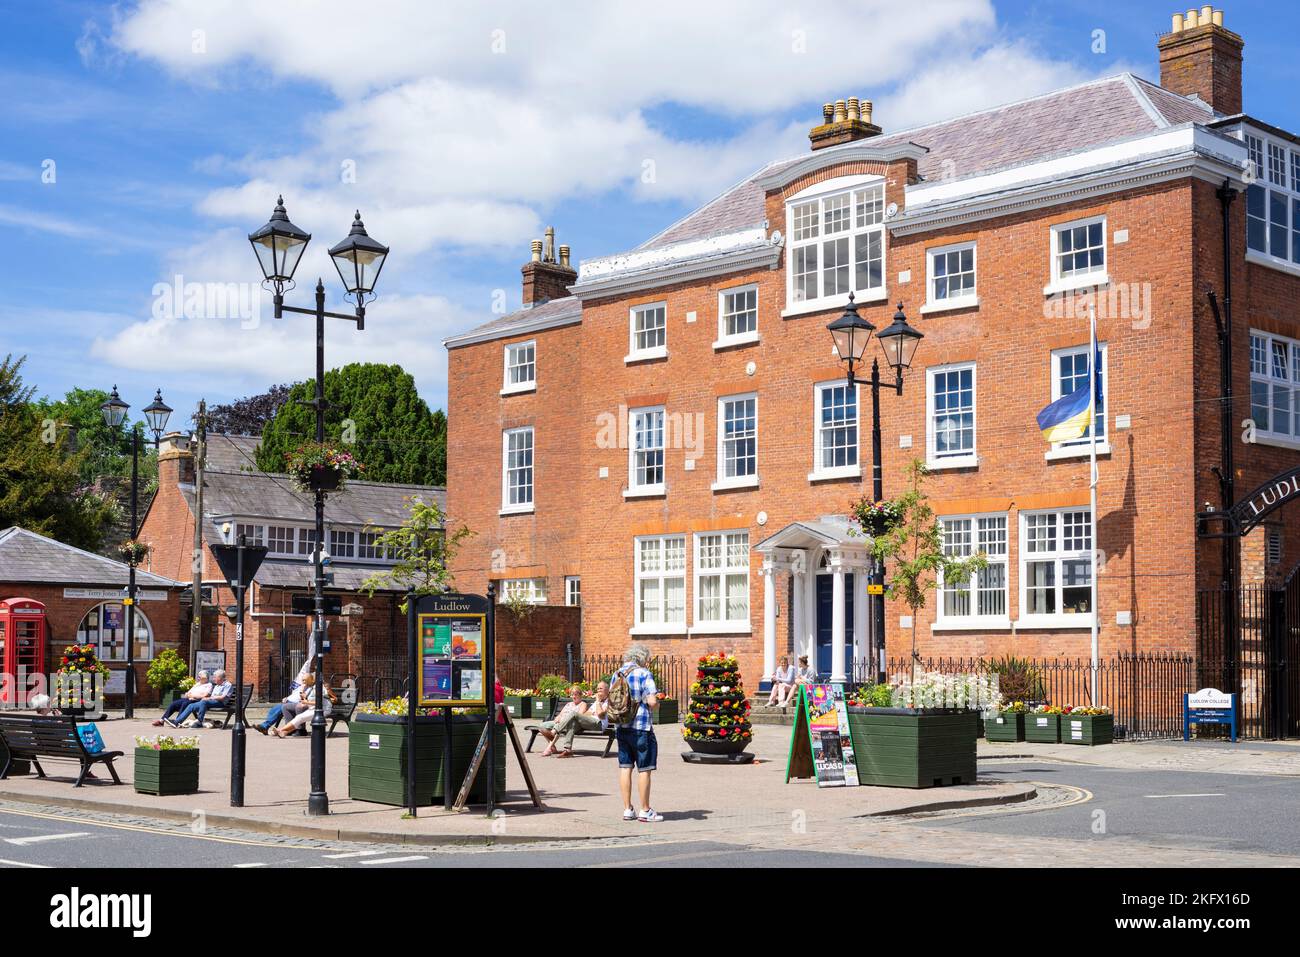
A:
{"x":976,"y":621}
{"x":273,"y":548}
{"x":572,"y":591}
{"x":662,"y":574}
{"x":256,"y":534}
{"x":528,"y":385}
{"x":967,"y":459}
{"x":1265,"y":434}
{"x":968,"y":300}
{"x":366,"y":538}
{"x":532,"y":590}
{"x":634,"y":488}
{"x":1095,"y":277}
{"x":518,"y":508}
{"x":141,"y":621}
{"x":736,"y":481}
{"x":725,"y":340}
{"x":1081,"y":448}
{"x":820,"y":472}
{"x":1058,"y":556}
{"x":1275,"y":165}
{"x":342,"y":543}
{"x":723,"y":625}
{"x":824,"y":194}
{"x":635,"y":354}
{"x":306,"y":546}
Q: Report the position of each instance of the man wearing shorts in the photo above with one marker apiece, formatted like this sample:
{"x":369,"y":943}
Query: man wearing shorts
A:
{"x":637,"y":747}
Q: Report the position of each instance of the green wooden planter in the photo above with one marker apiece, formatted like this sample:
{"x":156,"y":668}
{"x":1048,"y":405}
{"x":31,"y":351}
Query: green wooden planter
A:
{"x":519,"y":706}
{"x":377,"y":758}
{"x":166,"y":698}
{"x":1043,"y":728}
{"x":1008,"y":726}
{"x":667,"y":712}
{"x":898,"y":747}
{"x":1089,"y":729}
{"x":166,"y":772}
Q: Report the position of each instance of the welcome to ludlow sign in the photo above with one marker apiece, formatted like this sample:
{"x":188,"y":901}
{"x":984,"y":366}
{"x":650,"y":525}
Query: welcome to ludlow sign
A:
{"x":1269,"y":497}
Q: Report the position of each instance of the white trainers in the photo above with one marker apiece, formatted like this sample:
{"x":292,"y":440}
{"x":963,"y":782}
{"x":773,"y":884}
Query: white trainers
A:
{"x":629,"y":814}
{"x":650,"y":816}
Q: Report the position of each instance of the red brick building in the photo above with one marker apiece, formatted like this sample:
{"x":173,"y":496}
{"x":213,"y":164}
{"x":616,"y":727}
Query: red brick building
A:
{"x":668,"y":430}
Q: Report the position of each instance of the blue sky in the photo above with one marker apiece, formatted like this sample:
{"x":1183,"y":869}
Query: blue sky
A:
{"x":467,"y":129}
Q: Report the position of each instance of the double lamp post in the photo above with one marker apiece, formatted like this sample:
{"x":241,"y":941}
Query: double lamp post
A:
{"x":279,"y":246}
{"x":852,"y":334}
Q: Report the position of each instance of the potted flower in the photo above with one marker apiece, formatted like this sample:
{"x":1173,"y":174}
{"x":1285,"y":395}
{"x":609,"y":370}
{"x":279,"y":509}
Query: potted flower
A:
{"x":77,"y":677}
{"x":519,"y":702}
{"x":316,"y":467}
{"x":1087,"y":725}
{"x":165,"y":674}
{"x":1043,"y":724}
{"x":717,"y":721}
{"x":133,"y":552}
{"x":549,"y":687}
{"x":667,"y":712}
{"x":377,"y":753}
{"x":166,"y":765}
{"x":1007,"y":723}
{"x":877,"y":518}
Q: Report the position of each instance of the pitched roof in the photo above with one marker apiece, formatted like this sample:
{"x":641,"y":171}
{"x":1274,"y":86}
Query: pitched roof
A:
{"x":555,"y":312}
{"x":28,"y":557}
{"x":1067,"y":120}
{"x":271,"y":496}
{"x":288,"y":573}
{"x":232,"y":453}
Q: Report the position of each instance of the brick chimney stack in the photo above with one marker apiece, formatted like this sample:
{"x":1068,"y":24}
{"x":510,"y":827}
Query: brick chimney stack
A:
{"x":175,"y":460}
{"x":545,"y":278}
{"x":1200,"y":57}
{"x":843,"y":122}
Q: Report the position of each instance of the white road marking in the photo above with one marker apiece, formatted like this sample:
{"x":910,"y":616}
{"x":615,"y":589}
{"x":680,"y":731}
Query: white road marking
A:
{"x":45,"y":837}
{"x":22,"y":864}
{"x":339,"y":857}
{"x":397,"y":860}
{"x":1208,"y":795}
{"x":252,"y":864}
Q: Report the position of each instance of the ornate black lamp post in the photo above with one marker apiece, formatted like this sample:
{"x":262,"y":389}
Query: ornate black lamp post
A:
{"x":279,"y":246}
{"x":852,"y":334}
{"x":156,"y":414}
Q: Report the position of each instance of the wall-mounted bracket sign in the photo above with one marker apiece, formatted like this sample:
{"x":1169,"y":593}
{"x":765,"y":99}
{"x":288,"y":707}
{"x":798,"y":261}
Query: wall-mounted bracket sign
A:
{"x":452,"y":635}
{"x":1209,"y":706}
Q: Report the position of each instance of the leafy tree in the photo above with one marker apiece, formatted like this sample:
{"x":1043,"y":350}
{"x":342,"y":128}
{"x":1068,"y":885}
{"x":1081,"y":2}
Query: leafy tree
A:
{"x":41,"y":485}
{"x":249,"y":415}
{"x":392,"y":432}
{"x":107,"y":453}
{"x":421,"y":551}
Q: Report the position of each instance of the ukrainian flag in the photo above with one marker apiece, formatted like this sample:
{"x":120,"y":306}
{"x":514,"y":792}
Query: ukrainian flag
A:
{"x":1068,"y":417}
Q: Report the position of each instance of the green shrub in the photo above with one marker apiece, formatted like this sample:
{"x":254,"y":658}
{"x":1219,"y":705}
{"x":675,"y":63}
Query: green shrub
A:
{"x":1018,"y":679}
{"x":167,"y":671}
{"x":554,"y":686}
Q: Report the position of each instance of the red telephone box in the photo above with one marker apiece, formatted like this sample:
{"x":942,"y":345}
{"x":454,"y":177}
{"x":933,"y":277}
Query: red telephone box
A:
{"x":22,"y":647}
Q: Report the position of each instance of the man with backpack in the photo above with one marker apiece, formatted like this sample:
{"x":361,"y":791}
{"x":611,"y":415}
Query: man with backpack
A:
{"x":632,"y":695}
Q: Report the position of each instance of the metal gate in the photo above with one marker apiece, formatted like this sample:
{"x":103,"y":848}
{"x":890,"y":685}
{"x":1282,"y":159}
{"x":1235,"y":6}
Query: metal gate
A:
{"x":287,"y":658}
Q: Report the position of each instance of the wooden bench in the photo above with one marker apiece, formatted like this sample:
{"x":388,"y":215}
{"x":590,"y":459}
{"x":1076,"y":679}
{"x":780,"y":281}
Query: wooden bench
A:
{"x":556,"y":707}
{"x":32,"y":737}
{"x":343,"y":708}
{"x":245,"y":694}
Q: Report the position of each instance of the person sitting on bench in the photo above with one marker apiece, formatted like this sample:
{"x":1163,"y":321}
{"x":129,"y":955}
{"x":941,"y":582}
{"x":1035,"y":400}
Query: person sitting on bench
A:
{"x":40,"y":703}
{"x":564,"y":725}
{"x":305,"y":716}
{"x":202,"y":688}
{"x":289,"y":707}
{"x":218,"y":696}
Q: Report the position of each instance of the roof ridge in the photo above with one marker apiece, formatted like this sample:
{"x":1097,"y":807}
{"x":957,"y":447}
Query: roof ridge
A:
{"x":1144,"y":100}
{"x":699,"y":209}
{"x":19,"y":530}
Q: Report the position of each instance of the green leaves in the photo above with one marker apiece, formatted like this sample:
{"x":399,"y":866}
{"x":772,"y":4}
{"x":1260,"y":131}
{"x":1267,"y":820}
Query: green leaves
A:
{"x":422,"y":551}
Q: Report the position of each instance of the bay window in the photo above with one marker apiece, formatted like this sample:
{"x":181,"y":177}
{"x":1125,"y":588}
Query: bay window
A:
{"x":1273,"y":201}
{"x":836,"y":244}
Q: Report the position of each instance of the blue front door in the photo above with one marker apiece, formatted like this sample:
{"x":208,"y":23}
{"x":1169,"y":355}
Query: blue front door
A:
{"x":825,"y":586}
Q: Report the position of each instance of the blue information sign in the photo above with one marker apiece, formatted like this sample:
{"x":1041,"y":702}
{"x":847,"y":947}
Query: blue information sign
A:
{"x":1209,"y":706}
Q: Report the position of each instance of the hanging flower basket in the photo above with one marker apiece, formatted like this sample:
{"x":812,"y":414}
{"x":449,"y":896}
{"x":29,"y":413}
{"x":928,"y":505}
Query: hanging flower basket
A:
{"x":321,"y":468}
{"x":877,"y":518}
{"x":133,"y":552}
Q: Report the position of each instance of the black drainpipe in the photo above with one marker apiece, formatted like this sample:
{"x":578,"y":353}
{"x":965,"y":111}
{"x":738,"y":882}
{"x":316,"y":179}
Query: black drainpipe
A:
{"x":1228,"y":478}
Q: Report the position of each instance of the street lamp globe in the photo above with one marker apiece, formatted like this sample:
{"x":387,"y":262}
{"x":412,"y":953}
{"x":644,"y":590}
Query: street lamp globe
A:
{"x":899,"y":340}
{"x":279,"y":245}
{"x":358,"y":258}
{"x":156,"y":414}
{"x":114,"y":410}
{"x":851,"y":334}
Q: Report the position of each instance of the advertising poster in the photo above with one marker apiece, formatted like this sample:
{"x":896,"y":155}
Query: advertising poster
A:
{"x":821,"y":746}
{"x":451,"y":658}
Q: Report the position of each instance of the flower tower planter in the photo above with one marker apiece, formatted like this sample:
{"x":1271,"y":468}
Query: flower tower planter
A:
{"x":717,"y":721}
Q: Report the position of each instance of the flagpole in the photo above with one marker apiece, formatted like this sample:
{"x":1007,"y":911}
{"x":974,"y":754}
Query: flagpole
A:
{"x":1094,"y":378}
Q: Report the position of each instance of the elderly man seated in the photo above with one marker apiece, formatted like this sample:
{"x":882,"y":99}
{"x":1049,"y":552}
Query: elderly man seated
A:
{"x":202,"y":688}
{"x":218,"y":694}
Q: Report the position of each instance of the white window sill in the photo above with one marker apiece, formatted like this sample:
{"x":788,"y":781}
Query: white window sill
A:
{"x":826,"y":475}
{"x":748,"y":338}
{"x":648,"y":491}
{"x":1277,"y":441}
{"x":1086,"y":281}
{"x":833,"y":302}
{"x":646,"y":355}
{"x":948,"y":305}
{"x":721,"y":628}
{"x":520,"y":388}
{"x":1272,"y":262}
{"x":1055,"y":622}
{"x":956,"y":462}
{"x":746,"y":481}
{"x":973,"y":624}
{"x":671,"y":629}
{"x":1076,"y":452}
{"x":517,"y":510}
